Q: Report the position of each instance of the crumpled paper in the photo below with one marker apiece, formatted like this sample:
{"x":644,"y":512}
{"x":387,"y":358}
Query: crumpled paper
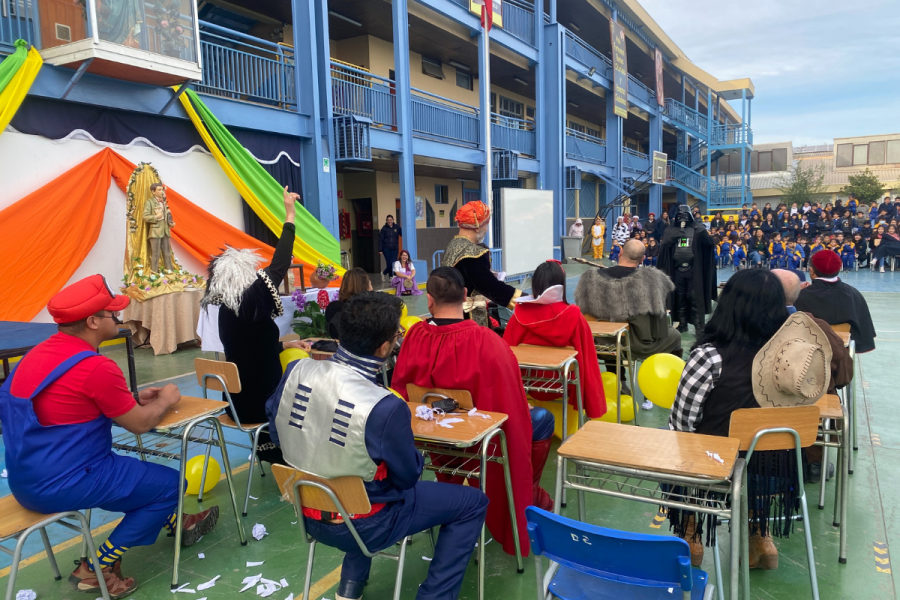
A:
{"x":446,"y":423}
{"x":259,"y":531}
{"x":474,"y":413}
{"x":715,"y":457}
{"x":25,"y":594}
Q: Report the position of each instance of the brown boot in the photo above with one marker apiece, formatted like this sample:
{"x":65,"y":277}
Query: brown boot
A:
{"x":117,"y":585}
{"x":194,"y":527}
{"x":763,"y":553}
{"x":696,"y":546}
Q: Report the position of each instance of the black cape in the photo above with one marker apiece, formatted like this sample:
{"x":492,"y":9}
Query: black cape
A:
{"x":704,"y":264}
{"x":837,"y":303}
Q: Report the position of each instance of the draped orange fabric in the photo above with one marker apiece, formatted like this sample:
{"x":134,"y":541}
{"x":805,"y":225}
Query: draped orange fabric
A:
{"x":45,"y":236}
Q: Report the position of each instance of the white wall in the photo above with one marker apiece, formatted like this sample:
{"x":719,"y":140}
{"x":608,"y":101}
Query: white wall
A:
{"x":30,"y":162}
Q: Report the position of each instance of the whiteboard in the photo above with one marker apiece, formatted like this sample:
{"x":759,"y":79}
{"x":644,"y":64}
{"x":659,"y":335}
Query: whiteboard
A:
{"x":526,"y":218}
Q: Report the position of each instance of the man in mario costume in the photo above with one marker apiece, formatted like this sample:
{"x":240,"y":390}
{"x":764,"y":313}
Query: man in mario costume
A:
{"x":57,"y":409}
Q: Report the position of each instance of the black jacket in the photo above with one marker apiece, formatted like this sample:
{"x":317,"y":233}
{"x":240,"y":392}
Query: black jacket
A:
{"x":837,"y":303}
{"x":389,"y":238}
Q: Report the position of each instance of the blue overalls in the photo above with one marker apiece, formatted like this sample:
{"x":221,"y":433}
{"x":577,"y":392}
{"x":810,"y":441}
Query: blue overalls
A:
{"x":72,"y":467}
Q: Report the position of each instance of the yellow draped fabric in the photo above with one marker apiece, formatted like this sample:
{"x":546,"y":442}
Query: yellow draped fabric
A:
{"x":14,"y":93}
{"x":302,"y":251}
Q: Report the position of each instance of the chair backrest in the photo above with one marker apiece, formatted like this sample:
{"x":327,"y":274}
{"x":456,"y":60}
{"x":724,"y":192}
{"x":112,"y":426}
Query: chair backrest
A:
{"x":638,"y":558}
{"x":417,"y":395}
{"x":350,"y":491}
{"x":747,"y":422}
{"x":226,"y":370}
{"x":841,"y":327}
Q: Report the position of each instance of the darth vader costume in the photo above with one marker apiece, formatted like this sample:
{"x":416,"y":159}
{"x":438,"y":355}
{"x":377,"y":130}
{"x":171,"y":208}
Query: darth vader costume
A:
{"x":687,"y":256}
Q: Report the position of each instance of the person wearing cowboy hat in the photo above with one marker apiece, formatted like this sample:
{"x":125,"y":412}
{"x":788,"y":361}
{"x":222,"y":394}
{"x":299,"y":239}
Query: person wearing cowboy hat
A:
{"x":58,"y":407}
{"x":731,"y":367}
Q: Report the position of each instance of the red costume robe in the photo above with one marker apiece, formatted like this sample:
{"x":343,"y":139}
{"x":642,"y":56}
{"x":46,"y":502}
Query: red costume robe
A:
{"x":558,"y":325}
{"x":466,"y":356}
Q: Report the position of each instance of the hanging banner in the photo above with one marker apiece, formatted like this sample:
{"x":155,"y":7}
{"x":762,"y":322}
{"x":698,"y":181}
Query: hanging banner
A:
{"x":659,"y":78}
{"x":496,"y":12}
{"x":620,"y":69}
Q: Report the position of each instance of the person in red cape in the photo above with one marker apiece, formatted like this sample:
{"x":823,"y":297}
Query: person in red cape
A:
{"x":452,"y":353}
{"x":546,"y":319}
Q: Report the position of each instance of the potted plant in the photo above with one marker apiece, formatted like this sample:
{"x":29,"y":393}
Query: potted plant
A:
{"x":323,"y":275}
{"x":309,"y":320}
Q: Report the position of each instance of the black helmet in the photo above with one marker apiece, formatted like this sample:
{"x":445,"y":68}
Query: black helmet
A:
{"x":684,"y":214}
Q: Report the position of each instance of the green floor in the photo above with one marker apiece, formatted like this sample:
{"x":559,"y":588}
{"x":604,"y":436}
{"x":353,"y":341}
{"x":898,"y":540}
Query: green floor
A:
{"x":874,"y":517}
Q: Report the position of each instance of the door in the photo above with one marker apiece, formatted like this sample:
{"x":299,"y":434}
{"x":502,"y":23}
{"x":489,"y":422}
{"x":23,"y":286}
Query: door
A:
{"x":363,"y":246}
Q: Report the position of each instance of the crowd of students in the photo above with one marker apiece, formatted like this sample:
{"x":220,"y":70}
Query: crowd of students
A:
{"x":786,"y":238}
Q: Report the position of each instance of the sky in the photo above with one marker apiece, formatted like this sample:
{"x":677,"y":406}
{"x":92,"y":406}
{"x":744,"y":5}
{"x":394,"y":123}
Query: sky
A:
{"x":821,"y":68}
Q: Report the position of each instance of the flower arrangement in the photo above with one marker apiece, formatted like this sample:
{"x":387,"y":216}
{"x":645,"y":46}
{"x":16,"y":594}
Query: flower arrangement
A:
{"x":309,"y":319}
{"x":167,"y":15}
{"x":325,"y":272}
{"x":147,"y":281}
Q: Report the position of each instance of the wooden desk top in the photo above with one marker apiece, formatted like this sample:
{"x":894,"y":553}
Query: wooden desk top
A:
{"x":468,"y":433}
{"x":648,"y":449}
{"x":542,"y":356}
{"x":845,"y":337}
{"x":606,"y":328}
{"x":830,"y":407}
{"x":188,"y":409}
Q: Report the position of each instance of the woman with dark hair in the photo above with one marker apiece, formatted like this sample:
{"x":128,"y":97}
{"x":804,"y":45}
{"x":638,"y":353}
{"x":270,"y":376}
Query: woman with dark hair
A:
{"x":769,"y":226}
{"x":546,"y":319}
{"x":889,"y":245}
{"x":758,"y":248}
{"x":717,"y":381}
{"x":355,"y":281}
{"x":404,"y":280}
{"x":754,"y":223}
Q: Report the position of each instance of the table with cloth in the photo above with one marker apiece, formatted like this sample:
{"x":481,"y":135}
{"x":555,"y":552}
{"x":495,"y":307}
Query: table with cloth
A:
{"x":208,"y":325}
{"x":165,"y":321}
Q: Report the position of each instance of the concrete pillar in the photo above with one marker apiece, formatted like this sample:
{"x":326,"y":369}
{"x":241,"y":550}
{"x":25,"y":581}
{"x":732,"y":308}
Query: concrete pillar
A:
{"x":553,"y":119}
{"x":403,"y":99}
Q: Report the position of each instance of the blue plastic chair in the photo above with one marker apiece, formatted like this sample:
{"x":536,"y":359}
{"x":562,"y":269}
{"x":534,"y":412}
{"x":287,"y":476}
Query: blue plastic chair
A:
{"x":589,"y":562}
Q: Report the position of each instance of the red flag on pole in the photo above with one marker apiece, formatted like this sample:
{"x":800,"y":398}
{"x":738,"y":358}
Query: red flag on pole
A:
{"x":487,"y":14}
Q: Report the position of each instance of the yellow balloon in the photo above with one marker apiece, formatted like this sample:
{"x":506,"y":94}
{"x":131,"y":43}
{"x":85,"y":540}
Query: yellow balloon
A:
{"x":658,"y":378}
{"x":290,"y":355}
{"x":193,"y":473}
{"x":408,"y":321}
{"x":610,"y":385}
{"x":556,"y":409}
{"x":627,"y":409}
{"x":404,"y":311}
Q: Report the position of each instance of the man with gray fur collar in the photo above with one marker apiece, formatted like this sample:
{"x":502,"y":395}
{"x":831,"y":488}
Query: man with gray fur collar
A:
{"x":625,"y":293}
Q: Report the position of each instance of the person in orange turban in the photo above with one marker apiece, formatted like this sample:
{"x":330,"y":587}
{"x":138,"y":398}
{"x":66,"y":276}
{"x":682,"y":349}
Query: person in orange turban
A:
{"x":471,"y":258}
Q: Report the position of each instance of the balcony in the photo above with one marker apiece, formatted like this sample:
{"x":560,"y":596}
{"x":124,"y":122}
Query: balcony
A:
{"x":517,"y":135}
{"x":586,"y":55}
{"x":246,"y":68}
{"x":518,"y":19}
{"x":632,"y":160}
{"x":358,"y":93}
{"x":17,"y":19}
{"x":733,"y":134}
{"x":686,"y":118}
{"x":585,"y":147}
{"x":151,"y":43}
{"x":438,"y":118}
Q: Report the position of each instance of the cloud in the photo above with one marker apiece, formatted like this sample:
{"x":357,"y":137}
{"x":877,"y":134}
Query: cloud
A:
{"x":822,"y":68}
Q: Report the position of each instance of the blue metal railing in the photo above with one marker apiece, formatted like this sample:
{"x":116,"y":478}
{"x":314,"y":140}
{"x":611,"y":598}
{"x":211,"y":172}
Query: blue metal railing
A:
{"x":695,"y":157}
{"x":437,"y":117}
{"x":19,"y":21}
{"x":359,"y":93}
{"x":508,"y":133}
{"x":518,"y":20}
{"x":243,"y":67}
{"x":695,"y":182}
{"x":585,"y":147}
{"x":584,"y":53}
{"x":687,"y":117}
{"x":733,"y":133}
{"x":634,"y":80}
{"x":634,"y":160}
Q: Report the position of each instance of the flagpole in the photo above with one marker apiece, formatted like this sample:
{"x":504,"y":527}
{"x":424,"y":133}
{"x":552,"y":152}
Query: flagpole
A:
{"x":485,"y":101}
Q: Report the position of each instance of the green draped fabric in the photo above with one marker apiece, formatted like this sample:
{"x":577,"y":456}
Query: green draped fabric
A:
{"x":264,"y":186}
{"x":10,"y":65}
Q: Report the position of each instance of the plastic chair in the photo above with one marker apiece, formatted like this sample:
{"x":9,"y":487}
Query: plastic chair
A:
{"x":221,"y":376}
{"x":344,"y":495}
{"x":592,"y":562}
{"x":789,"y":428}
{"x":17,"y":523}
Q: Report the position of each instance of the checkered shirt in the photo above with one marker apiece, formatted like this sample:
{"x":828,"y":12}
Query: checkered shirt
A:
{"x":698,"y":379}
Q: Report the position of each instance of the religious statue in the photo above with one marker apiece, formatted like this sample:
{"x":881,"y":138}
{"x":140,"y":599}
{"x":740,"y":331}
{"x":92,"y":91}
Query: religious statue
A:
{"x":151,"y":268}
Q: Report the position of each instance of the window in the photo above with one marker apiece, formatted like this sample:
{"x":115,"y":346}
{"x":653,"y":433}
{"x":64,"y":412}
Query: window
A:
{"x":429,"y":214}
{"x":754,"y":162}
{"x":631,"y":145}
{"x":441,"y":194}
{"x":593,"y":132}
{"x":893,"y":152}
{"x":845,"y":155}
{"x":511,"y":108}
{"x":876,"y":153}
{"x":529,"y":112}
{"x":765,"y":162}
{"x":577,"y":127}
{"x":779,"y":159}
{"x":432,"y":68}
{"x":493,"y":102}
{"x":861,"y":154}
{"x":463,"y":80}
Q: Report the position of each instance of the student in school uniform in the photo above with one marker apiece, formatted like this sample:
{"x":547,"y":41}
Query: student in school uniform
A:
{"x":614,"y":252}
{"x":794,"y":256}
{"x":862,"y":249}
{"x":848,"y":254}
{"x":776,"y":251}
{"x":737,"y":252}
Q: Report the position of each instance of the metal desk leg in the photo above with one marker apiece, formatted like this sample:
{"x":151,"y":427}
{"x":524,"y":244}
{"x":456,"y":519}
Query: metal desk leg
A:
{"x":563,"y":374}
{"x":826,"y":437}
{"x":226,"y":465}
{"x":807,"y":532}
{"x":632,"y":378}
{"x":618,"y":379}
{"x":558,"y":488}
{"x":744,"y":535}
{"x":507,"y":480}
{"x":845,"y":488}
{"x":853,"y":393}
{"x":737,"y":527}
{"x":482,"y":536}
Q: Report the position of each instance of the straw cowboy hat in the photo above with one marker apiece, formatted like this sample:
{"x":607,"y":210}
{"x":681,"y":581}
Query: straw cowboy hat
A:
{"x":794,"y":367}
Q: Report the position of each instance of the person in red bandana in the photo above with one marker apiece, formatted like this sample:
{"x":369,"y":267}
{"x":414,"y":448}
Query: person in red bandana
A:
{"x":472,"y":260}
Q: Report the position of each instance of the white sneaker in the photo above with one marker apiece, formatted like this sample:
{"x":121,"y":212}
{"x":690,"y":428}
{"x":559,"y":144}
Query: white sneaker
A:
{"x":881,"y":270}
{"x":647,"y":405}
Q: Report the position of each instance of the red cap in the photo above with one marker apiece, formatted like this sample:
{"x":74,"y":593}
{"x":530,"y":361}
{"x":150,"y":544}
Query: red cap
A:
{"x":826,"y":262}
{"x":85,"y":298}
{"x":652,"y":214}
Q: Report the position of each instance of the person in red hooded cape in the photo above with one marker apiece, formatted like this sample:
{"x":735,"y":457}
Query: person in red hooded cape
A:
{"x":452,"y":353}
{"x":546,"y":319}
